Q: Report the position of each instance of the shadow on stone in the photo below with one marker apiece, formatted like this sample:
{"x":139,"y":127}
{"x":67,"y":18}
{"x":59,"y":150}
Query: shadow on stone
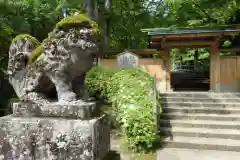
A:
{"x":112,"y":155}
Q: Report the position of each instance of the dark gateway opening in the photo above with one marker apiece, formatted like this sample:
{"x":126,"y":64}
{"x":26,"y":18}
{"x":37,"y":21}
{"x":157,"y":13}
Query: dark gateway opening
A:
{"x":190,"y":77}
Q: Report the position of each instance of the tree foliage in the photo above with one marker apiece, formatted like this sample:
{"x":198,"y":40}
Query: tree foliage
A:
{"x":38,"y":17}
{"x":202,"y":12}
{"x":127,"y":18}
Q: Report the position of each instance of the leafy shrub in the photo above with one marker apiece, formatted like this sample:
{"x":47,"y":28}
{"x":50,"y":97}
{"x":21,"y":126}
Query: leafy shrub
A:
{"x":128,"y":90}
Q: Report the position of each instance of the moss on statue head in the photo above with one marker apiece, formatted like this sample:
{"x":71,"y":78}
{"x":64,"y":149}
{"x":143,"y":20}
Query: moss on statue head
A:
{"x":22,"y":36}
{"x":39,"y":50}
{"x":77,"y":21}
{"x":46,"y":40}
{"x":35,"y":54}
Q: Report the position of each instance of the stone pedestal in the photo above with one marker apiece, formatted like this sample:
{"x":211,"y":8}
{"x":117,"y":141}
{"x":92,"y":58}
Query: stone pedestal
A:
{"x":77,"y":110}
{"x":53,"y":137}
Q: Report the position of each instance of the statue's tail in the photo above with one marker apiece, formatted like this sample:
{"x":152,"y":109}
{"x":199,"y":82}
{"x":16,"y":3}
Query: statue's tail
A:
{"x":19,"y":52}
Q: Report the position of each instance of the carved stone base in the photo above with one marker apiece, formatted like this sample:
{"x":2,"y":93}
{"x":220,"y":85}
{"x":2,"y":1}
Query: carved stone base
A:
{"x":73,"y":110}
{"x":54,"y":138}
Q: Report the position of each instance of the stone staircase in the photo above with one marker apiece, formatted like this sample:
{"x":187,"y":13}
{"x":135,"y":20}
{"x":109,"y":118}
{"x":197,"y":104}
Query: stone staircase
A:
{"x":201,"y":120}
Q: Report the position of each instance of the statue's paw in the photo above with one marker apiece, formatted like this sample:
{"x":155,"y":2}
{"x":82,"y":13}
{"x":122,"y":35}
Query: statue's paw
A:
{"x":68,"y":97}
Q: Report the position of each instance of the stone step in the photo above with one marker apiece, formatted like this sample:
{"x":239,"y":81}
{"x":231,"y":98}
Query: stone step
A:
{"x":201,"y":132}
{"x":199,"y":99}
{"x":200,"y":124}
{"x":200,"y":116}
{"x":200,"y":104}
{"x":201,"y":94}
{"x":207,"y":110}
{"x":202,"y":143}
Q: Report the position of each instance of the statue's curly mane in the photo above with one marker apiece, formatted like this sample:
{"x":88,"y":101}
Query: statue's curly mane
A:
{"x":62,"y":57}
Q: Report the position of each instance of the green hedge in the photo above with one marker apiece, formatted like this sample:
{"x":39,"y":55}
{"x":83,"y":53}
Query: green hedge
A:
{"x":128,"y":90}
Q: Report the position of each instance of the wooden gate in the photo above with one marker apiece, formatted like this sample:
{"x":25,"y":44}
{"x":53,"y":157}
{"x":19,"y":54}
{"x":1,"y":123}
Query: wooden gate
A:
{"x":230,"y":74}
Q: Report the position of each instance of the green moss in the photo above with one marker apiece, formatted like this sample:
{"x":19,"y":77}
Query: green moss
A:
{"x":77,"y":21}
{"x":39,"y":50}
{"x":46,"y":40}
{"x":34,"y":40}
{"x":35,"y":54}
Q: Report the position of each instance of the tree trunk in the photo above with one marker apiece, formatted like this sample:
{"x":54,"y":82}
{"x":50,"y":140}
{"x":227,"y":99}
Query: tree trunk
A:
{"x":106,"y":21}
{"x":108,"y":5}
{"x":102,"y":17}
{"x":89,"y":7}
{"x":195,"y":60}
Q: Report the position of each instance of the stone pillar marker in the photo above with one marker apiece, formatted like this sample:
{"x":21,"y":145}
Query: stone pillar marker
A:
{"x":53,"y":120}
{"x":127,"y":59}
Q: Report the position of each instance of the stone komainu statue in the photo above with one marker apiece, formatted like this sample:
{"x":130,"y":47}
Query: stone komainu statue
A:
{"x":54,"y":69}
